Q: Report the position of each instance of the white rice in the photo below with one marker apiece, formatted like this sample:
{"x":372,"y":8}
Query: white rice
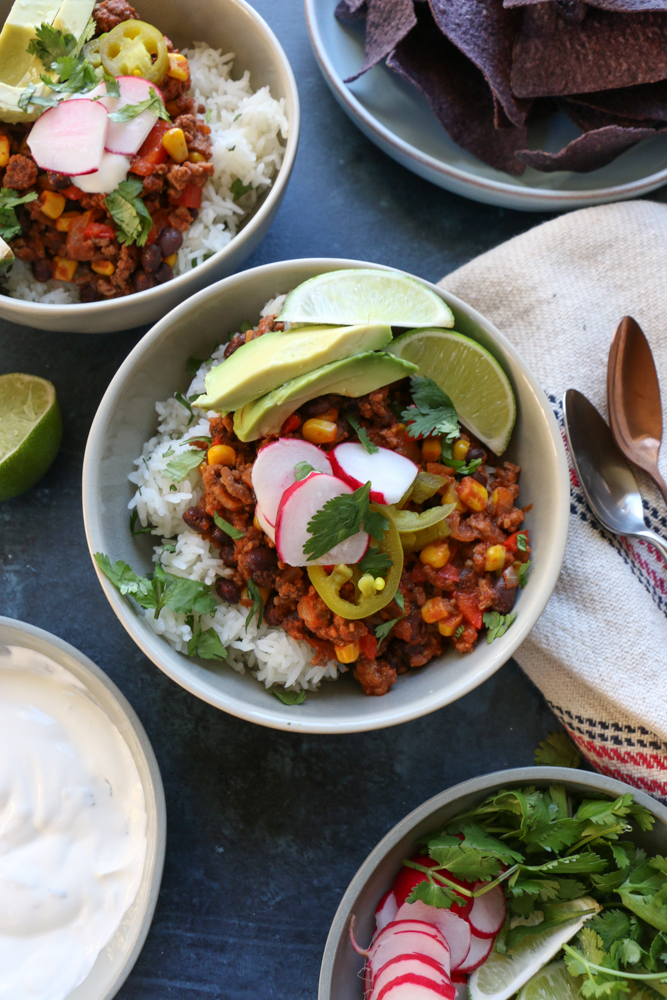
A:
{"x":248,"y":129}
{"x":271,"y":655}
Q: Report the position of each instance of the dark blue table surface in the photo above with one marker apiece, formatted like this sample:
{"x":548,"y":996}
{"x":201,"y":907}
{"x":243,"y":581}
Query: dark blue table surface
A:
{"x":266,"y":828}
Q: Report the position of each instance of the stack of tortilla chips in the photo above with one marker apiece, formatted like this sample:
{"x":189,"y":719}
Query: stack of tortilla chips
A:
{"x":490,"y":67}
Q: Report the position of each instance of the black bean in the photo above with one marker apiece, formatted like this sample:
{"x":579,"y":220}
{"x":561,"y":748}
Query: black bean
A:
{"x":198,"y":520}
{"x":480,"y":476}
{"x":41,"y":269}
{"x":164,"y":273}
{"x":474,"y":453}
{"x":219,"y":537}
{"x":88,"y":293}
{"x":503,"y":599}
{"x":228,"y":591}
{"x":151,"y":258}
{"x":194,"y":212}
{"x":58,"y":181}
{"x":261,"y":560}
{"x":228,"y":554}
{"x":142,"y":281}
{"x":170,"y":240}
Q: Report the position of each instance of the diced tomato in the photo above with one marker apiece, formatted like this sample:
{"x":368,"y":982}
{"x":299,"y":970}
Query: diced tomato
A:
{"x":512,"y":544}
{"x":72,"y":192}
{"x":291,"y":424}
{"x":152,"y":151}
{"x":99,"y":230}
{"x":160,"y":220}
{"x":79,"y":246}
{"x":418,"y":574}
{"x":447,"y":574}
{"x":191,"y":197}
{"x":368,"y":645}
{"x":469,"y":608}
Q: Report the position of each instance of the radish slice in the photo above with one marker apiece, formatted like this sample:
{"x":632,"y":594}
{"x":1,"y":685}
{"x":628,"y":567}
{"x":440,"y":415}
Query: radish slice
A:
{"x":69,"y":139}
{"x":412,"y":987}
{"x":113,"y":169}
{"x":408,"y":878}
{"x":127,"y":137}
{"x":407,"y":937}
{"x":299,"y":504}
{"x":267,"y":528}
{"x":488,"y":913}
{"x":480,"y":949}
{"x":273,"y":470}
{"x":385,"y":911}
{"x":391,"y":474}
{"x":419,"y":965}
{"x":455,"y":931}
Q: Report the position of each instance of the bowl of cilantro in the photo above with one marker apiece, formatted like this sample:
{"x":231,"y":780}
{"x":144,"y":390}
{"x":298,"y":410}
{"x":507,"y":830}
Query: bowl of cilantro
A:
{"x":190,"y":569}
{"x":560,"y":869}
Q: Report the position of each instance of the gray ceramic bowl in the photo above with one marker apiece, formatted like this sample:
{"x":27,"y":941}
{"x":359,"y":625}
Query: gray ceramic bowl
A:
{"x":339,"y":975}
{"x":117,"y":959}
{"x":230,"y":25}
{"x":126,"y":419}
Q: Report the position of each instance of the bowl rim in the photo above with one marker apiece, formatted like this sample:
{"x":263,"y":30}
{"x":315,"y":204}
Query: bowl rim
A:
{"x":533,"y":198}
{"x":230,"y":703}
{"x":156,"y":850}
{"x":272,"y":197}
{"x":481,"y":784}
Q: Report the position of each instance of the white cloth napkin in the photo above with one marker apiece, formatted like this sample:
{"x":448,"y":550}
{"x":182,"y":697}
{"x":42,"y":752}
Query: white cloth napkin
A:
{"x":599,"y":651}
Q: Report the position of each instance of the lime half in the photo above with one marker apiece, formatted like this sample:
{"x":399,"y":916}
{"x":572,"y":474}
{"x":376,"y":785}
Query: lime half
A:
{"x":30,"y":431}
{"x":501,"y":976}
{"x":361,"y":295}
{"x":553,"y":982}
{"x":472,"y":378}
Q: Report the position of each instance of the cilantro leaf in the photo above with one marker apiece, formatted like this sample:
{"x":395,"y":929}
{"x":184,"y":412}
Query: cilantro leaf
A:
{"x":9,"y":199}
{"x":375,"y":562}
{"x":400,"y":600}
{"x":153,"y":103}
{"x":430,"y":892}
{"x":557,"y":751}
{"x":462,"y":468}
{"x":206,"y":645}
{"x":61,"y":54}
{"x":497,"y":624}
{"x":126,"y":580}
{"x":435,"y":413}
{"x":192,"y":365}
{"x":289,"y":697}
{"x":340,"y":518}
{"x":228,"y":528}
{"x":239,"y":188}
{"x":181,"y":595}
{"x":362,"y":434}
{"x":301,"y":470}
{"x":29,"y":96}
{"x":129,"y":212}
{"x":183,"y":464}
{"x":134,"y":517}
{"x":257,"y":604}
{"x":611,"y":926}
{"x":523,"y":573}
{"x":459,"y":632}
{"x":521,"y":541}
{"x":383,"y":630}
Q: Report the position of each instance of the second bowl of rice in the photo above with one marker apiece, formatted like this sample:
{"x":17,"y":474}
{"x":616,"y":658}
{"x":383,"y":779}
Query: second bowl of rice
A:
{"x":241,"y":74}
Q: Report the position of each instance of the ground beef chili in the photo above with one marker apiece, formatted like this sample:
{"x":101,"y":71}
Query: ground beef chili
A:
{"x":83,"y":233}
{"x":463,"y":587}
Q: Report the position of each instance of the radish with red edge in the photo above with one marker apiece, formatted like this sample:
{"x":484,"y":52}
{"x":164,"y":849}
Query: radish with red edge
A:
{"x":267,"y":528}
{"x":391,"y":475}
{"x":403,"y":937}
{"x":69,"y":139}
{"x":127,"y":137}
{"x":274,"y":470}
{"x":385,"y":911}
{"x":480,"y":949}
{"x":488,"y":913}
{"x":412,"y":987}
{"x":112,"y":170}
{"x":408,"y":878}
{"x":419,"y":965}
{"x":298,"y":506}
{"x":455,"y":930}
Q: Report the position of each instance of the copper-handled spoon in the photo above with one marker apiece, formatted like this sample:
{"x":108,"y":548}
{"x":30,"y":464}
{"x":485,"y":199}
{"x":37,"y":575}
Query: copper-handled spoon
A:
{"x":633,"y":399}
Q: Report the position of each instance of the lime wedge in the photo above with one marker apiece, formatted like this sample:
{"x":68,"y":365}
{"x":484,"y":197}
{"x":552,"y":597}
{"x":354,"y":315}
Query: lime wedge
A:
{"x":503,"y":975}
{"x":553,"y":982}
{"x":361,"y":295}
{"x":30,"y":431}
{"x":472,"y":378}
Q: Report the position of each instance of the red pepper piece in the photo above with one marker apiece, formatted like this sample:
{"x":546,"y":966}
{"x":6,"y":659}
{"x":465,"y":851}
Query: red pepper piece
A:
{"x":72,"y":192}
{"x":152,"y":152}
{"x":191,"y":197}
{"x":99,"y":230}
{"x":368,"y":645}
{"x":469,"y":608}
{"x":291,"y":424}
{"x":511,"y":544}
{"x":418,"y":574}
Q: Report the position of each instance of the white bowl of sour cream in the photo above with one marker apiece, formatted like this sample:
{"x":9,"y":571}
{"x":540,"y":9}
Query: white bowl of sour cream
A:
{"x":82,"y":823}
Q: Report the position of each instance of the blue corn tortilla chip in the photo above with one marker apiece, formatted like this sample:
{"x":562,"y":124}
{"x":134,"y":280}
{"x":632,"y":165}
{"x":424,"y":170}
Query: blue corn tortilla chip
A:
{"x":555,"y":57}
{"x":485,"y":33}
{"x":387,"y":23}
{"x":457,"y":92}
{"x":351,"y":10}
{"x":588,"y":119}
{"x":576,"y":8}
{"x":589,"y":151}
{"x":647,"y":101}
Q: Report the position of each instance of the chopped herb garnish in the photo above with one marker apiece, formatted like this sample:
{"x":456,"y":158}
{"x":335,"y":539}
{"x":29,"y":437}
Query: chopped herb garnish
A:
{"x":523,"y":573}
{"x":239,"y":189}
{"x":301,"y":470}
{"x":228,"y":528}
{"x":61,"y":54}
{"x":29,"y":96}
{"x":153,"y":103}
{"x":134,"y":517}
{"x":383,"y":630}
{"x":169,"y":547}
{"x":459,"y":632}
{"x":9,"y":199}
{"x":362,"y":434}
{"x":206,"y":644}
{"x":463,"y":468}
{"x":129,"y":212}
{"x":433,"y":412}
{"x":257,"y":604}
{"x":497,"y":624}
{"x":521,"y":541}
{"x":245,"y":326}
{"x":111,"y":83}
{"x":375,"y":562}
{"x":557,"y":751}
{"x":192,"y":365}
{"x":163,"y":590}
{"x":179,"y":397}
{"x":207,"y":117}
{"x":183,"y":464}
{"x":400,"y":600}
{"x":340,"y":518}
{"x":289,"y":697}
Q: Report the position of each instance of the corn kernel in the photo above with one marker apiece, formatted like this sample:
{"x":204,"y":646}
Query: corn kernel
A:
{"x":436,"y":554}
{"x":366,"y":585}
{"x":319,"y":431}
{"x":171,"y":259}
{"x":256,"y":523}
{"x":451,"y":496}
{"x":431,"y":450}
{"x":460,"y":449}
{"x":473,"y":494}
{"x":221,"y":454}
{"x":349,"y":653}
{"x":197,"y":158}
{"x":495,"y":559}
{"x":380,"y":583}
{"x":179,"y":68}
{"x":435,"y":609}
{"x":400,"y":428}
{"x":105,"y":267}
{"x":174,"y":142}
{"x":449,"y":625}
{"x":52,"y":204}
{"x":264,"y":593}
{"x":64,"y":221}
{"x":4,"y":150}
{"x":65,"y":269}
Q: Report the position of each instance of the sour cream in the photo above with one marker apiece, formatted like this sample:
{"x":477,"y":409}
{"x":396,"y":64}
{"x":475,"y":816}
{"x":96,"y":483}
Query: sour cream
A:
{"x":72,"y":828}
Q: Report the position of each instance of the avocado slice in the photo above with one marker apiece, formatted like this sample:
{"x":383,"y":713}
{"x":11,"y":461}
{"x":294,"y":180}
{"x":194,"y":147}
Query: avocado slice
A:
{"x":267,"y":362}
{"x":354,"y":376}
{"x":6,"y":255}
